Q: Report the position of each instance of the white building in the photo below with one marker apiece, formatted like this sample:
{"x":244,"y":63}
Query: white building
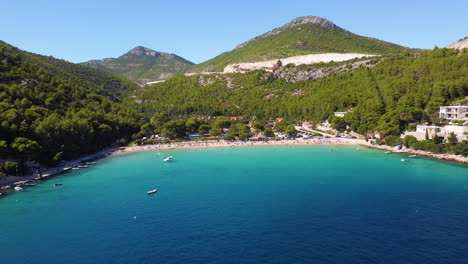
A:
{"x":342,"y":114}
{"x":454,"y":112}
{"x":430,"y":129}
{"x":442,"y":132}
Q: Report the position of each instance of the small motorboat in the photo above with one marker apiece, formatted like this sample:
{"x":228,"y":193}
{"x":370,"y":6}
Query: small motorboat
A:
{"x":75,"y":168}
{"x":152,"y":191}
{"x":30,"y":184}
{"x":90,"y":163}
{"x":412,"y":156}
{"x":403,"y":160}
{"x":57,"y":184}
{"x":170,"y":158}
{"x":82,"y":166}
{"x":18,"y":188}
{"x":387,"y":152}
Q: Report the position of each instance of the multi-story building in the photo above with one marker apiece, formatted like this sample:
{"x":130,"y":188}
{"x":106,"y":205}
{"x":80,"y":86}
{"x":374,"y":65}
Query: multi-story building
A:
{"x":454,"y":112}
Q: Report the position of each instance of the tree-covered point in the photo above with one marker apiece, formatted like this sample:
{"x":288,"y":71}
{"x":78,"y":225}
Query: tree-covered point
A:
{"x":52,"y":110}
{"x":400,"y":90}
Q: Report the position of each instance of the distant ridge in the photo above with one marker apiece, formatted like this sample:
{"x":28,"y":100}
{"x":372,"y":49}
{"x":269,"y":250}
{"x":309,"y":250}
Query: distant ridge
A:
{"x":142,"y":64}
{"x":301,"y":36}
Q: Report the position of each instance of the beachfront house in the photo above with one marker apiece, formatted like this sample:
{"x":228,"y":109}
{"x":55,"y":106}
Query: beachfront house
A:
{"x":454,"y":113}
{"x":307,"y":125}
{"x":443,"y":133}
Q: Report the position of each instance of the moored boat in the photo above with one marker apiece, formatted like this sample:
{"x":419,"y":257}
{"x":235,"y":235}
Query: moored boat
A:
{"x":404,"y":160}
{"x":18,"y":188}
{"x":57,"y":184}
{"x":152,"y":191}
{"x":387,"y":152}
{"x":170,"y":158}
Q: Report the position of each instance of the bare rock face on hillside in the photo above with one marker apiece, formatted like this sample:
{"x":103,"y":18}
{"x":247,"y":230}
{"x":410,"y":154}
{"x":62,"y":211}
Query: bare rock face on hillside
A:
{"x":294,"y":75}
{"x":462,"y":44}
{"x":142,"y":51}
{"x":311,"y":20}
{"x":297,"y":60}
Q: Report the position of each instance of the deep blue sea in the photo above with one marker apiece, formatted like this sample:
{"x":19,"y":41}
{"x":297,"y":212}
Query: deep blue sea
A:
{"x":296,"y":204}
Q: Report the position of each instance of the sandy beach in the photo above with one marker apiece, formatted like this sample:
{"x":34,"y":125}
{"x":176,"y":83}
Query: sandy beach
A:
{"x":223,"y":143}
{"x":10,"y":182}
{"x":326,"y":141}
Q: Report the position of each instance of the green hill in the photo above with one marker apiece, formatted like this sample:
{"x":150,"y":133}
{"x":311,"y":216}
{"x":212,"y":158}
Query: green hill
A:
{"x":399,"y":90}
{"x":142,"y":65}
{"x":52,"y":110}
{"x":304,"y":35}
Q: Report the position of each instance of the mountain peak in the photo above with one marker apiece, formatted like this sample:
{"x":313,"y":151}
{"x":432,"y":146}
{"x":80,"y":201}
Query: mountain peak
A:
{"x":142,"y":64}
{"x":314,"y":20}
{"x":142,"y":51}
{"x":311,"y":20}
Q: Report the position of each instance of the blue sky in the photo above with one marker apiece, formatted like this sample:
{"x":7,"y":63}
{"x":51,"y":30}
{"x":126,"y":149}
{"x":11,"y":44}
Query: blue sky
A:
{"x":81,"y":30}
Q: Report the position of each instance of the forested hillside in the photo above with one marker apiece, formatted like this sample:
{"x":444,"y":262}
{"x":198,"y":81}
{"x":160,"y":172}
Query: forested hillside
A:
{"x":402,"y":89}
{"x":52,"y":110}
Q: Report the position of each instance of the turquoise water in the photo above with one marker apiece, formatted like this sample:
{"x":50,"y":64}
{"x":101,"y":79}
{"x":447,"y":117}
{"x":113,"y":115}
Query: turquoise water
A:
{"x":301,"y":204}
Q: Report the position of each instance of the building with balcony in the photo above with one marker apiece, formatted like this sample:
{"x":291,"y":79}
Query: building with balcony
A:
{"x":454,"y":113}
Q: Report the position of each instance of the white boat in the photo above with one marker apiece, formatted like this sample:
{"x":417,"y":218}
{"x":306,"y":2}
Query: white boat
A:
{"x":387,"y":152}
{"x":403,"y":160}
{"x":412,"y":156}
{"x":17,"y":188}
{"x":170,"y":158}
{"x":82,"y":166}
{"x":152,"y":191}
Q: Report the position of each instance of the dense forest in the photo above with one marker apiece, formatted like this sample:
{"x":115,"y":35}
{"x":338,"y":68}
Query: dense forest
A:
{"x":52,"y":110}
{"x":402,"y":89}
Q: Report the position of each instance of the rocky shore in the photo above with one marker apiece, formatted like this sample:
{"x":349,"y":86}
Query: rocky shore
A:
{"x":445,"y":156}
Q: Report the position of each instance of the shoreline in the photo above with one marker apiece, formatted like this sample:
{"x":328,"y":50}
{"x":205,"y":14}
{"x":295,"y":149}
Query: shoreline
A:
{"x":10,"y":182}
{"x":227,"y":144}
{"x":50,"y":172}
{"x":444,"y":157}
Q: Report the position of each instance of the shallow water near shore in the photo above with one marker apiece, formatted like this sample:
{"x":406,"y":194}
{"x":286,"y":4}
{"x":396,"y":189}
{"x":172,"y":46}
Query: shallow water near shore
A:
{"x":271,"y":204}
